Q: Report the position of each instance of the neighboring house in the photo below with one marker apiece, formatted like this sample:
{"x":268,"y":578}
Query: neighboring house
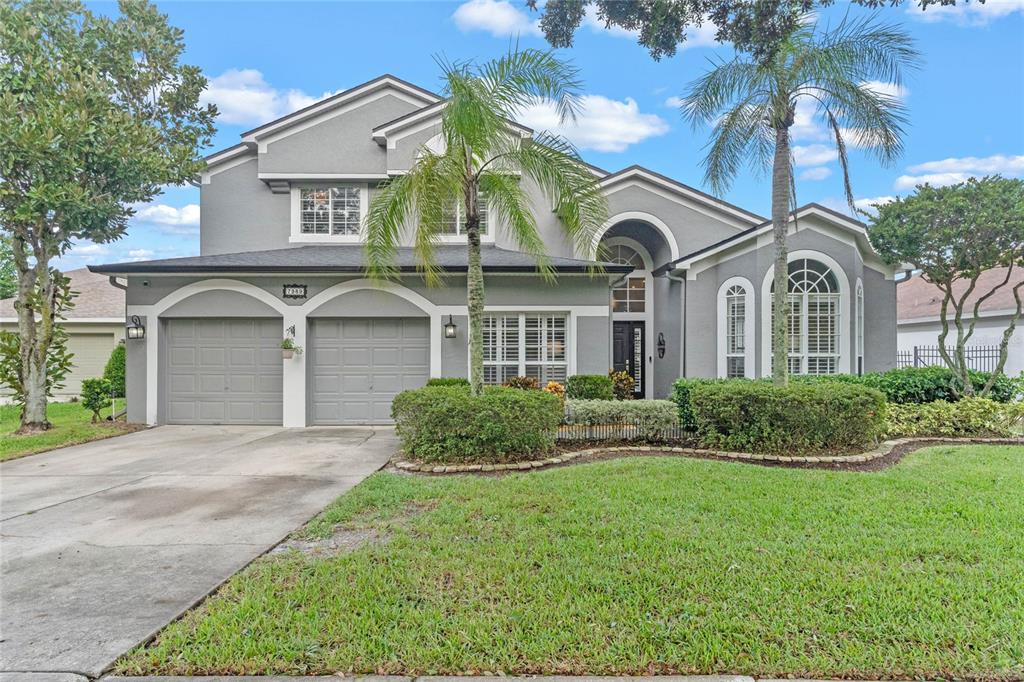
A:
{"x":95,"y":325}
{"x":919,"y":304}
{"x":685,"y":293}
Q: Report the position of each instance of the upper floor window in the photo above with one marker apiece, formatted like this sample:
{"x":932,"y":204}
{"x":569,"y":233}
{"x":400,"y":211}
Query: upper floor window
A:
{"x":814,"y":334}
{"x":631,"y":295}
{"x":330,"y":210}
{"x":453,"y":223}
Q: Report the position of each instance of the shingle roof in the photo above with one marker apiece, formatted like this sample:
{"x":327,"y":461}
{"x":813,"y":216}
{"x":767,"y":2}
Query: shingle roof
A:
{"x":347,"y":258}
{"x":96,"y":298}
{"x":917,"y":298}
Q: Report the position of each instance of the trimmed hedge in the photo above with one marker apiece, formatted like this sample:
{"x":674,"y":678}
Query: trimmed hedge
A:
{"x":650,"y":417}
{"x":449,"y":424}
{"x":800,"y":419}
{"x":681,"y":397}
{"x":921,"y":384}
{"x":448,"y":381}
{"x":590,"y":387}
{"x":970,"y":417}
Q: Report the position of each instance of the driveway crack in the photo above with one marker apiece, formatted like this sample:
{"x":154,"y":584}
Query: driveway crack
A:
{"x":73,"y":499}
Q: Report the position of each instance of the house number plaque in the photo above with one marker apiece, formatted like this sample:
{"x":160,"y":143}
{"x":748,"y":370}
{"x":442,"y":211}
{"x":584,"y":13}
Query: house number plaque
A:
{"x":294,"y":291}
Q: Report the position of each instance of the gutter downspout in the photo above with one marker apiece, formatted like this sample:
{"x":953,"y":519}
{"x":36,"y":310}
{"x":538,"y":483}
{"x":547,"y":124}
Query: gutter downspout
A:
{"x":682,"y":322}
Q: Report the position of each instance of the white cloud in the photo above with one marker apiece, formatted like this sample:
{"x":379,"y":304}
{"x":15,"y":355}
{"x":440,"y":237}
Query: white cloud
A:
{"x":604,"y":125}
{"x":701,"y":36}
{"x":244,"y":97}
{"x":140,"y":254}
{"x":953,"y":170}
{"x":805,"y":125}
{"x":869,"y":203}
{"x":819,"y":173}
{"x":813,"y":154}
{"x":968,"y":13}
{"x":89,"y":249}
{"x":596,"y":24}
{"x":674,"y":102}
{"x":500,"y":18}
{"x":184,"y":220}
{"x":893,"y":90}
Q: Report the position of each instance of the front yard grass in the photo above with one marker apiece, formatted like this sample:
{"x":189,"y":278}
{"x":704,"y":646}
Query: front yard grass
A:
{"x":642,"y":565}
{"x":71,"y":425}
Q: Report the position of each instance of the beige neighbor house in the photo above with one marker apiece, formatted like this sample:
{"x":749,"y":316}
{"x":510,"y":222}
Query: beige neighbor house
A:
{"x":95,"y":325}
{"x":920,"y":303}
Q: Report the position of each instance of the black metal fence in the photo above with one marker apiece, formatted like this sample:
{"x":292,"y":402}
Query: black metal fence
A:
{"x":620,"y":432}
{"x":981,"y":358}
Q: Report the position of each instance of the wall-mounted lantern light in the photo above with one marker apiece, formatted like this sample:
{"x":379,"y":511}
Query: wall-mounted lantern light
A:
{"x":449,"y":329}
{"x":661,"y":345}
{"x":135,"y":330}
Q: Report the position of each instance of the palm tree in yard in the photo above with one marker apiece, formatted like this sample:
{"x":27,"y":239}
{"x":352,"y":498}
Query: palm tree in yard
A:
{"x":484,"y":156}
{"x":752,"y":107}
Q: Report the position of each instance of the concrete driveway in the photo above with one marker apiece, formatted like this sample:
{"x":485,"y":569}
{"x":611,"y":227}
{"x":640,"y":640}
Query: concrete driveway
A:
{"x":103,"y":544}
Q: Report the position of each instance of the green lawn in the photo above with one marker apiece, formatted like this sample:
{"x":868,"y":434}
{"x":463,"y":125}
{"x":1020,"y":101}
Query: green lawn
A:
{"x":71,"y":425}
{"x":642,"y":565}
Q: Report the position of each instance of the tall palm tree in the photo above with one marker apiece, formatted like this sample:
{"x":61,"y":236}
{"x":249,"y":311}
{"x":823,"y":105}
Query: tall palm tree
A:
{"x":483,"y":155}
{"x":752,"y":107}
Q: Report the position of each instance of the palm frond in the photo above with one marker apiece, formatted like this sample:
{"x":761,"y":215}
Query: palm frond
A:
{"x":523,"y":77}
{"x":742,"y":133}
{"x":514,"y":211}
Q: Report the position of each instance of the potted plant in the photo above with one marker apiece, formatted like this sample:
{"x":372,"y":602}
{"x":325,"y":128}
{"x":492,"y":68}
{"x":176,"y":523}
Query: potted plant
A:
{"x":289,"y":349}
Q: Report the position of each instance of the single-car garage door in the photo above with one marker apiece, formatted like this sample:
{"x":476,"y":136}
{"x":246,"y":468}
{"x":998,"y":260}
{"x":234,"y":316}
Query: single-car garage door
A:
{"x":357,"y":365}
{"x":223,"y":371}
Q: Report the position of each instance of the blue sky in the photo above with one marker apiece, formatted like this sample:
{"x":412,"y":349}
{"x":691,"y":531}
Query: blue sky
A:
{"x":265,"y":59}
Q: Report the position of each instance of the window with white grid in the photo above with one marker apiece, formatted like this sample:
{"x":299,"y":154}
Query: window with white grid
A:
{"x":525,"y":344}
{"x":735,"y":332}
{"x":814,"y":317}
{"x":453,"y":222}
{"x":631,"y":295}
{"x":330,"y":210}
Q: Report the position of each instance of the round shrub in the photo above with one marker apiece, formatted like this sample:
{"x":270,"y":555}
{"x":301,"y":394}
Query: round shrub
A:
{"x":922,"y":384}
{"x":114,"y":371}
{"x":449,"y":424}
{"x":799,"y":419}
{"x":589,"y":387}
{"x":448,"y":381}
{"x":95,"y":396}
{"x":970,"y":417}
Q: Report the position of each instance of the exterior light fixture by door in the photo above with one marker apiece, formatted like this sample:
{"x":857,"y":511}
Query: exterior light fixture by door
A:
{"x":661,"y":345}
{"x":135,"y":329}
{"x":449,"y":329}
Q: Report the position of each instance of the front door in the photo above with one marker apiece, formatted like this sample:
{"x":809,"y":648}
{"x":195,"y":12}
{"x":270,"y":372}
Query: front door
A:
{"x":628,"y":345}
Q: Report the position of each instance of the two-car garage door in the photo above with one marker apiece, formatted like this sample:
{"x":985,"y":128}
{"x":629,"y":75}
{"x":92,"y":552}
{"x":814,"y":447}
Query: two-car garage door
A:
{"x":229,"y":370}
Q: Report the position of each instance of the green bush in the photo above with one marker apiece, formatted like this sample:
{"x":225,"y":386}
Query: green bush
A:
{"x":95,"y":396}
{"x":800,"y":419}
{"x":448,"y":381}
{"x":622,"y":385}
{"x":449,"y":424}
{"x":114,"y":371}
{"x":522,"y":383}
{"x":681,"y":397}
{"x":589,"y":387}
{"x":970,"y":417}
{"x":650,"y":417}
{"x":922,"y":384}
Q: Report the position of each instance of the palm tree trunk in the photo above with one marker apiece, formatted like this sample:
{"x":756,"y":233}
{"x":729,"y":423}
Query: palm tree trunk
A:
{"x":781,"y":187}
{"x":475,"y":296}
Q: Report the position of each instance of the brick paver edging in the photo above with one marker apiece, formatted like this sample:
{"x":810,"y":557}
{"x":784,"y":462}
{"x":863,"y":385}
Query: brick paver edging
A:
{"x":883,"y":449}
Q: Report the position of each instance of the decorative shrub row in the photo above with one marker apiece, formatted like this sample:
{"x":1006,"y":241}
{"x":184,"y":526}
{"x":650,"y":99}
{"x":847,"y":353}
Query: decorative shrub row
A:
{"x":922,"y":384}
{"x":650,"y":417}
{"x":755,"y":416}
{"x":590,"y":387}
{"x":970,"y":417}
{"x":448,"y":381}
{"x":449,"y":424}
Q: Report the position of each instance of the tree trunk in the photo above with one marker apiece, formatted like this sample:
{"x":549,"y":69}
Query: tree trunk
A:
{"x":35,"y":296}
{"x":474,"y":294}
{"x":781,"y":185}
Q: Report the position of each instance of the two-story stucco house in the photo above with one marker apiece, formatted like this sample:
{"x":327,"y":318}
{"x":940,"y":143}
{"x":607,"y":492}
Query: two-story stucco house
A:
{"x":686,"y":291}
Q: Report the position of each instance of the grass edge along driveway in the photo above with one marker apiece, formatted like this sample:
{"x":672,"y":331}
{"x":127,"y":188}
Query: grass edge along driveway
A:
{"x":72,"y":425}
{"x":639,"y":566}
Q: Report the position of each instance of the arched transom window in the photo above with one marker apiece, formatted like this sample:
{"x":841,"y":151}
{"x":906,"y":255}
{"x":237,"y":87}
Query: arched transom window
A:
{"x":814,"y":307}
{"x":630,"y":296}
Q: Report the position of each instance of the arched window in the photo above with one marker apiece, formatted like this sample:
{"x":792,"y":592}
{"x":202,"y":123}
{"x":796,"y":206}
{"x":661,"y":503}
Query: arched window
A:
{"x":631,"y":295}
{"x":814,"y":304}
{"x":860,"y":327}
{"x":735,"y":332}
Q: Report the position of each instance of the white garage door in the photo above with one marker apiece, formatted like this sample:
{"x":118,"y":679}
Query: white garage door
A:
{"x":223,"y":371}
{"x":357,"y":365}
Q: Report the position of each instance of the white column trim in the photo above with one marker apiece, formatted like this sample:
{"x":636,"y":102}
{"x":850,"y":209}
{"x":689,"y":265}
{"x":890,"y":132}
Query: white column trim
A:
{"x":649,"y":218}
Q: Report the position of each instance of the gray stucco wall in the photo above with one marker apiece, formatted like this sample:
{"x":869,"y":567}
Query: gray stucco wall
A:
{"x":135,"y":376}
{"x":238,"y":212}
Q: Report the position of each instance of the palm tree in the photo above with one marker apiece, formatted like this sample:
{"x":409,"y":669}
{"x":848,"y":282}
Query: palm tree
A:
{"x":752,"y":106}
{"x":483,"y":155}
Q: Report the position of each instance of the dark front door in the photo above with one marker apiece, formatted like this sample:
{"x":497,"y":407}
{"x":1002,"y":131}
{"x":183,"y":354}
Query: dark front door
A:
{"x":628,"y":345}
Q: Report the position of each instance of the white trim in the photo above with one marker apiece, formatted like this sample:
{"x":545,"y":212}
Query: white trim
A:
{"x":297,"y":236}
{"x":652,"y":220}
{"x":647,"y":317}
{"x":678,"y":190}
{"x":521,"y":311}
{"x":845,"y":305}
{"x":230,"y":153}
{"x":749,"y":317}
{"x":205,"y":176}
{"x":577,"y":310}
{"x":340,"y":177}
{"x":859,"y":320}
{"x":421,"y":120}
{"x":317,"y":112}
